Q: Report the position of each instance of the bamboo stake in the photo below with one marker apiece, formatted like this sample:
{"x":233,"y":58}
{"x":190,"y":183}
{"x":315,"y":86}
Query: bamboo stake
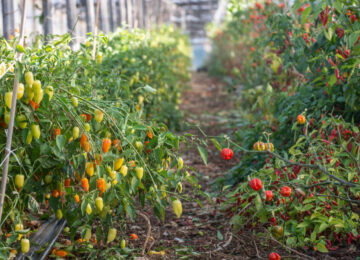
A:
{"x":12,"y":115}
{"x":95,"y":29}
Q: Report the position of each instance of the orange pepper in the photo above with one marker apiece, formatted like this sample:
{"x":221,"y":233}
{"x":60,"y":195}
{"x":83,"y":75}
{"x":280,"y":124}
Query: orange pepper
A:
{"x":134,"y":236}
{"x":85,"y":184}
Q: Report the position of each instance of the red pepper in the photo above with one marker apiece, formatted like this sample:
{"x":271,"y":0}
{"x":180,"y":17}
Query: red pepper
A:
{"x":331,"y":62}
{"x":340,"y":32}
{"x":323,"y":16}
{"x":353,"y":18}
{"x":337,"y":73}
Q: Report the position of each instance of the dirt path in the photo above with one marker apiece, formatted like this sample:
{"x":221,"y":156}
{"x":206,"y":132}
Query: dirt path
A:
{"x":201,"y":232}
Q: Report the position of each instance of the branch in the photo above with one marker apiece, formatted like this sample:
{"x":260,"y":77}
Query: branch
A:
{"x":352,"y":157}
{"x":316,"y":184}
{"x":288,"y":248}
{"x":315,"y":166}
{"x":148,"y":231}
{"x":338,"y":197}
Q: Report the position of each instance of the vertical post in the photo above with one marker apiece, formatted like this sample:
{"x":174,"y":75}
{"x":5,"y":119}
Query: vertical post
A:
{"x":135,"y":13}
{"x":141,"y":17}
{"x":89,"y":13}
{"x":95,"y":29}
{"x":129,"y":9}
{"x":183,"y":19}
{"x":1,"y":20}
{"x":48,"y":9}
{"x":124,"y":11}
{"x":118,"y":13}
{"x":13,"y":13}
{"x":104,"y":17}
{"x":159,"y":12}
{"x":12,"y":117}
{"x":71,"y":16}
{"x":152,"y":13}
{"x":8,"y":18}
{"x":33,"y":12}
{"x":112,"y":14}
{"x":145,"y":14}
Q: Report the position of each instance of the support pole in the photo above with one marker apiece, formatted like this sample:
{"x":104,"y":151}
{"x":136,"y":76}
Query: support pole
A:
{"x":93,"y":53}
{"x":8,"y":18}
{"x":125,"y":19}
{"x":112,"y":15}
{"x":141,"y":17}
{"x":71,"y":16}
{"x":48,"y":9}
{"x":12,"y":116}
{"x":129,"y":9}
{"x":104,"y":17}
{"x":90,"y":15}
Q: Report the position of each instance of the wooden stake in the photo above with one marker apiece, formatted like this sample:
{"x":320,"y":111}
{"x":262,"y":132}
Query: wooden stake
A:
{"x":12,"y":116}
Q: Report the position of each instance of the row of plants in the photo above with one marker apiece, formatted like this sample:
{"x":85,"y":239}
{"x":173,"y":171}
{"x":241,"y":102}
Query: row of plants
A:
{"x":91,"y":141}
{"x":297,"y":69}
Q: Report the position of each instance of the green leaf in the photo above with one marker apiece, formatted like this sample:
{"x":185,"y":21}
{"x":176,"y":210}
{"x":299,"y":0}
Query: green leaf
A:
{"x":219,"y":235}
{"x":236,"y":220}
{"x":353,"y":38}
{"x":258,"y":202}
{"x":329,"y":34}
{"x":354,"y":216}
{"x":24,"y":231}
{"x":20,"y":48}
{"x":216,"y":143}
{"x":337,"y":6}
{"x":305,"y":14}
{"x":323,"y":226}
{"x":307,"y":207}
{"x":321,"y":248}
{"x":203,"y":153}
{"x":313,"y":236}
{"x":130,"y":211}
{"x":149,"y":89}
{"x":134,"y":184}
{"x":302,"y":224}
{"x":33,"y":204}
{"x":60,"y":142}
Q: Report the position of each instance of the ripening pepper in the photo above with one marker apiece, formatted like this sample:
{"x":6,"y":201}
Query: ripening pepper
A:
{"x":88,"y":209}
{"x":99,"y":203}
{"x":177,"y":207}
{"x":139,"y":172}
{"x":111,"y":235}
{"x":19,"y":181}
{"x":25,"y":245}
